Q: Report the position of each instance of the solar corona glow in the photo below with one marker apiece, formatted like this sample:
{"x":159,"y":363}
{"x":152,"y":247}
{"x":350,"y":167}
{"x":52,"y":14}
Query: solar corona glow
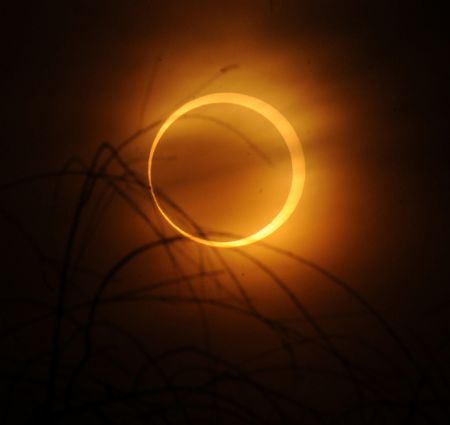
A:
{"x":289,"y":136}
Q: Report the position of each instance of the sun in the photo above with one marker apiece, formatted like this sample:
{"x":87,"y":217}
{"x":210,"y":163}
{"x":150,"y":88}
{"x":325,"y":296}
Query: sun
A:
{"x":289,"y":136}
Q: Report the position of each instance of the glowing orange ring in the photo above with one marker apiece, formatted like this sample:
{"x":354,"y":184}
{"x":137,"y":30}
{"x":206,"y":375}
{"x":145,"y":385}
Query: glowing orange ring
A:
{"x":287,"y":133}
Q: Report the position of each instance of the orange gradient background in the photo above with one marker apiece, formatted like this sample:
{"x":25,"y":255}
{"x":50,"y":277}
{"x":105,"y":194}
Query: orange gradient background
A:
{"x":362,"y":84}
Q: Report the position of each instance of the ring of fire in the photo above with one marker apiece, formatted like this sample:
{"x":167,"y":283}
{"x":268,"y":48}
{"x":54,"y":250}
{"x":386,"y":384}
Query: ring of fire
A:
{"x":289,"y":136}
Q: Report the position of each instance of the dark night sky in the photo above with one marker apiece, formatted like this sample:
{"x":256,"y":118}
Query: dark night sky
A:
{"x":365,"y":84}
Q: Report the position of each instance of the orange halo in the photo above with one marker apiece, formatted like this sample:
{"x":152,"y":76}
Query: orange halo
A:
{"x":289,"y":136}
